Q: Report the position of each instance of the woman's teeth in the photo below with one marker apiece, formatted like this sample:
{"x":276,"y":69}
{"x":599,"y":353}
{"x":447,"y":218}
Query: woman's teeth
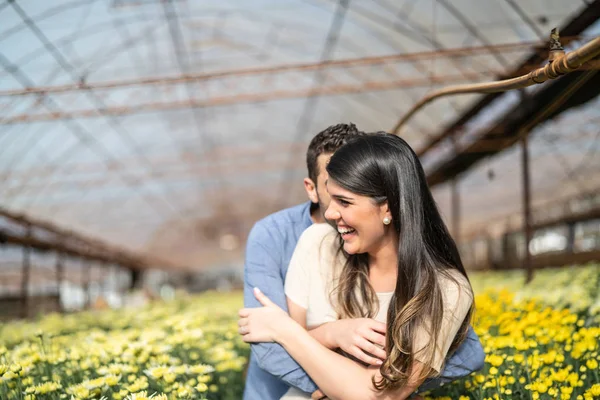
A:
{"x":345,"y":231}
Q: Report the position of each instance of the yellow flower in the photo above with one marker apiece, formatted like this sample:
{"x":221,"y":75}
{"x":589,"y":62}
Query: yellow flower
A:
{"x":495,"y":360}
{"x":47,"y":387}
{"x":594,"y":390}
{"x":157,"y":372}
{"x":519,"y":358}
{"x":9,"y":375}
{"x":112,"y":380}
{"x":143,"y":395}
{"x":169,"y":377}
{"x":201,"y":387}
{"x":183,"y":392}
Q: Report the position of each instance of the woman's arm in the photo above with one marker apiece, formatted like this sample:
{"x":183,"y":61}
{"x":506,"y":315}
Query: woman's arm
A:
{"x":297,"y":312}
{"x":357,"y":337}
{"x":337,"y":376}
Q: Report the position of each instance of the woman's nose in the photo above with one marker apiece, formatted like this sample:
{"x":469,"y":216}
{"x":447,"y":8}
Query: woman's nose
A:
{"x":331,"y":213}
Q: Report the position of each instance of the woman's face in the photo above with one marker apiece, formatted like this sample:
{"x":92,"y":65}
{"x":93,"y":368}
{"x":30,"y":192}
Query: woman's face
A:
{"x":359,"y":220}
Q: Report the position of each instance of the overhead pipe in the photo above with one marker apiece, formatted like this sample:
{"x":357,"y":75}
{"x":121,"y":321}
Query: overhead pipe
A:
{"x":560,"y":64}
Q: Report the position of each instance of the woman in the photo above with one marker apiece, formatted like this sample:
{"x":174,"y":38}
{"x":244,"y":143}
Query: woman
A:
{"x":392,"y":240}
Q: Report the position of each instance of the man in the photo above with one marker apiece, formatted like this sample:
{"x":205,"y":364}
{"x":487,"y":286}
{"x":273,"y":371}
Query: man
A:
{"x":269,"y":249}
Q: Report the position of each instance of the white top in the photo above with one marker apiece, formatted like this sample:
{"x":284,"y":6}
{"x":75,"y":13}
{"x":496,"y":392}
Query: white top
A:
{"x":312,"y":276}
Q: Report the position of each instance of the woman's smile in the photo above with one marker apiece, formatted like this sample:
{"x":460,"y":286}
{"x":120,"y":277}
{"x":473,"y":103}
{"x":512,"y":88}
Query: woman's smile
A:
{"x":346,"y":232}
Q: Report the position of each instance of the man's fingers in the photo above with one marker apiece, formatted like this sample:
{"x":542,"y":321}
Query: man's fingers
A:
{"x":378,"y":326}
{"x":362,"y":356}
{"x":243,"y":322}
{"x":372,"y":349}
{"x":260,"y":296}
{"x":375,"y":337}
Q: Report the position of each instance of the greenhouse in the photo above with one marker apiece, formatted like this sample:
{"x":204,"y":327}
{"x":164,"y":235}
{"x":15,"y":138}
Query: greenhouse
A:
{"x":159,"y":160}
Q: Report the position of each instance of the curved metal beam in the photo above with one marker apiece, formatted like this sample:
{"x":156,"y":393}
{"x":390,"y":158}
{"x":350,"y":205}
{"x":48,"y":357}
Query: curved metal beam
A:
{"x":560,"y":66}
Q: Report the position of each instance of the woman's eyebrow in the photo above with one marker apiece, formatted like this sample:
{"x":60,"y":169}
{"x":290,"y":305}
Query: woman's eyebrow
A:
{"x":341,"y":197}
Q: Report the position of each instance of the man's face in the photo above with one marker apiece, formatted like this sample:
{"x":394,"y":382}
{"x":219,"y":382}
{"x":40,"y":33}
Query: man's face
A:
{"x":323,"y":195}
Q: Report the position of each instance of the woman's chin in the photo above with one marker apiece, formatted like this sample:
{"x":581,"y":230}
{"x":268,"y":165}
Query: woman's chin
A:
{"x":349,"y":248}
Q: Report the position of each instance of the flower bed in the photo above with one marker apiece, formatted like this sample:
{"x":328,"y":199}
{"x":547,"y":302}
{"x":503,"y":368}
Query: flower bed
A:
{"x":541,"y":342}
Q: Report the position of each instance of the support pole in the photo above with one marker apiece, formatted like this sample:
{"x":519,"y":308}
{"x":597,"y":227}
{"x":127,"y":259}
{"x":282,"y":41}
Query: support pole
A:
{"x":455,"y":210}
{"x":136,"y":279}
{"x":455,"y":199}
{"x":489,"y":246}
{"x":526,"y":208}
{"x":115,"y":279}
{"x":60,"y":273}
{"x":571,"y":238}
{"x":105,"y":279}
{"x":86,"y":283}
{"x":25,"y":276}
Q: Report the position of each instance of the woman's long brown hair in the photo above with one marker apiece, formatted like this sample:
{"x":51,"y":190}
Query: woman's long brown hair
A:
{"x":385,"y":168}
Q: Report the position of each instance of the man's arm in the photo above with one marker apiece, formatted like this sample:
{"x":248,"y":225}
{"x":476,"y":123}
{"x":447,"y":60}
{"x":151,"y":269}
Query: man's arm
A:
{"x":262,"y":270}
{"x":468,"y":358}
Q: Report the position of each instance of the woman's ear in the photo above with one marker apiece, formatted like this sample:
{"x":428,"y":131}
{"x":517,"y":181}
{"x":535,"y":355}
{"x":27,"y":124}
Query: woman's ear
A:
{"x":384,"y":210}
{"x":311,"y":190}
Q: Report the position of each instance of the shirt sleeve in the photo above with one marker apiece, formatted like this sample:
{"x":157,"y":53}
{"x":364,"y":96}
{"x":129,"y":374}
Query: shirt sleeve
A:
{"x":262,"y":269}
{"x":457,"y":298}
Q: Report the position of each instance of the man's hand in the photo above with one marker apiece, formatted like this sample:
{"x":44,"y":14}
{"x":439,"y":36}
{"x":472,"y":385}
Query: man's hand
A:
{"x":363,"y":338}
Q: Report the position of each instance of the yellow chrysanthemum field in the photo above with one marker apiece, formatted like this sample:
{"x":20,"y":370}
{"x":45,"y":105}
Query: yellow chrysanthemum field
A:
{"x":541,"y":342}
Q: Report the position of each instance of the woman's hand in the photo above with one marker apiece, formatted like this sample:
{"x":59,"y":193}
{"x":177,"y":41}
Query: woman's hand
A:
{"x":263,"y":324}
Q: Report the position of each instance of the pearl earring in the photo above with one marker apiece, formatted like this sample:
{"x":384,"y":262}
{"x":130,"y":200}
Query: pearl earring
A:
{"x":386,"y":220}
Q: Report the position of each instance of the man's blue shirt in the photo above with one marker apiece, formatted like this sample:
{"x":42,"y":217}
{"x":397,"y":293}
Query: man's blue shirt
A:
{"x":269,"y":249}
{"x":272,"y":371}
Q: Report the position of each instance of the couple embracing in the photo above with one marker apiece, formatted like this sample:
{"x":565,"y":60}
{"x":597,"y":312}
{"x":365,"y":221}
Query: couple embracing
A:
{"x":359,"y":293}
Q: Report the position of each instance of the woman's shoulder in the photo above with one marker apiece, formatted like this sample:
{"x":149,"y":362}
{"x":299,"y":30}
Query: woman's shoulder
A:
{"x":319,"y":242}
{"x":316,"y":233}
{"x":452,"y":281}
{"x":452,"y":275}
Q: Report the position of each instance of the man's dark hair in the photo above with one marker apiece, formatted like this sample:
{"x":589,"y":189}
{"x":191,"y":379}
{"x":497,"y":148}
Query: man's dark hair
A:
{"x":328,"y":141}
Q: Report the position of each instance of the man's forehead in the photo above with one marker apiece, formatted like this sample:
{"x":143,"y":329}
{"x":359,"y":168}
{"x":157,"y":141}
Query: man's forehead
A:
{"x":322,"y":162}
{"x":324,"y":158}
